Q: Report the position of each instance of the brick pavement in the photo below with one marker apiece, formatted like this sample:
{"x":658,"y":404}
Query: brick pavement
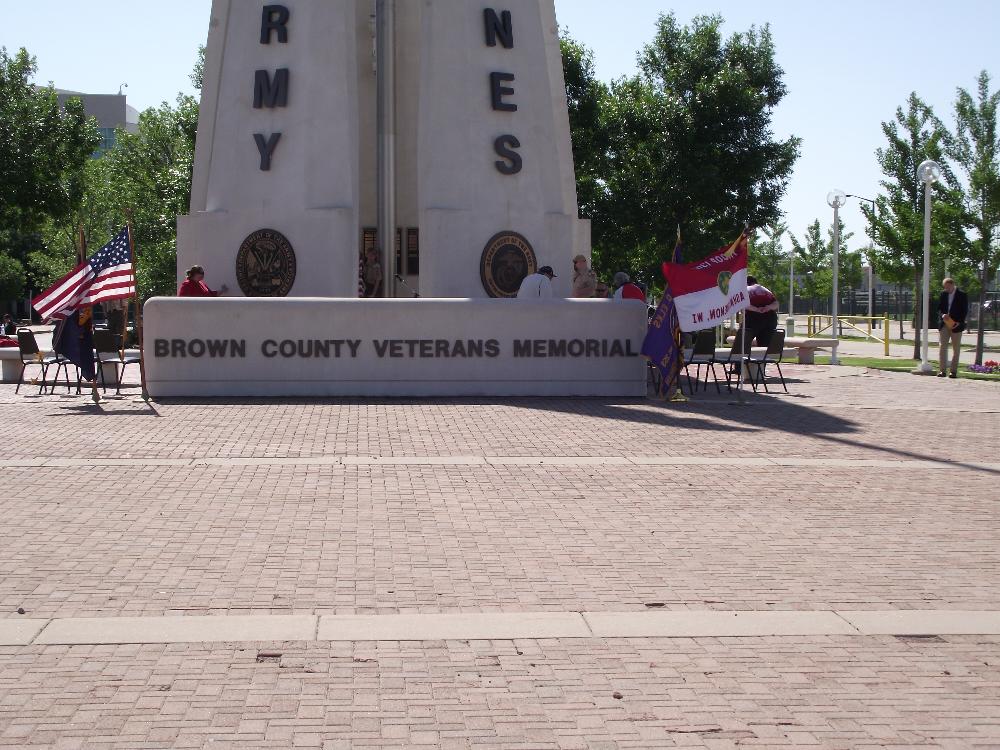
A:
{"x":697,"y":693}
{"x":371,"y":539}
{"x":244,"y":535}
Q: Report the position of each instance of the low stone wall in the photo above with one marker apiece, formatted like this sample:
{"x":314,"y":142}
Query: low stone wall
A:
{"x":421,"y":347}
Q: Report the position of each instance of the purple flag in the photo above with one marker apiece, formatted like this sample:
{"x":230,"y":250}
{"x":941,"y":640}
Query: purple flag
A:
{"x":662,"y":345}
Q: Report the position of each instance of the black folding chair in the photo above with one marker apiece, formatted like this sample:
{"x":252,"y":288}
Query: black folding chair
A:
{"x":702,"y":354}
{"x":32,"y":355}
{"x":771,"y":357}
{"x":732,"y":362}
{"x":108,"y":351}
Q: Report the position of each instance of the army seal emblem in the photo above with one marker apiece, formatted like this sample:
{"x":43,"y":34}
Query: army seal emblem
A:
{"x":265,"y":265}
{"x":507,"y":260}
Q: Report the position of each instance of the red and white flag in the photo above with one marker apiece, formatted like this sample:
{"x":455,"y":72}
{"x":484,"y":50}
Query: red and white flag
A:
{"x":711,"y":290}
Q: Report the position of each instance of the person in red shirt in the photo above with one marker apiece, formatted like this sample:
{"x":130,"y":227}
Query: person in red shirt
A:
{"x":194,"y":285}
{"x":626,"y":289}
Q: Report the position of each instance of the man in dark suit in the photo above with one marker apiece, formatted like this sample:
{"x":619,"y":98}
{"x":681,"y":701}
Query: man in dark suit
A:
{"x":953,"y":309}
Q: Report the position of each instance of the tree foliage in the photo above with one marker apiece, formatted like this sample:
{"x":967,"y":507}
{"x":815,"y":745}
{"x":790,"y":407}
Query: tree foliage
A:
{"x":768,"y":260}
{"x":46,"y":148}
{"x":897,"y":225}
{"x":814,"y":262}
{"x":689,"y":145}
{"x":974,"y":148}
{"x":145,"y":179}
{"x":585,"y":99}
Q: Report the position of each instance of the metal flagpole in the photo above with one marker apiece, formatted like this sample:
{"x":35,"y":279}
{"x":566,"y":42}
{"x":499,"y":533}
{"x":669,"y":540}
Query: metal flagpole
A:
{"x":385,"y":22}
{"x":743,"y":349}
{"x":82,"y":258}
{"x":138,"y":311}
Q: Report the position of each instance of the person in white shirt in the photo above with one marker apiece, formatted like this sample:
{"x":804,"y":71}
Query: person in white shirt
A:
{"x":537,"y":285}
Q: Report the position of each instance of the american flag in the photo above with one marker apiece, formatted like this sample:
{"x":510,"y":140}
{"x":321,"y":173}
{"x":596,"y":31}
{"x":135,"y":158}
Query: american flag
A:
{"x":108,"y":275}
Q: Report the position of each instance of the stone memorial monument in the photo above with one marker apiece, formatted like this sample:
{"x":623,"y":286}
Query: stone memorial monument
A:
{"x":439,"y":126}
{"x":457,"y":136}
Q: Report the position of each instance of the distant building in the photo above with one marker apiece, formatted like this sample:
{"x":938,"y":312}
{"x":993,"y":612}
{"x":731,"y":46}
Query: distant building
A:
{"x":111,"y":112}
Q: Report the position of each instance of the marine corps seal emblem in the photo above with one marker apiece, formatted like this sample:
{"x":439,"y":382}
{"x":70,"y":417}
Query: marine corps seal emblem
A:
{"x":265,"y":265}
{"x":507,"y":260}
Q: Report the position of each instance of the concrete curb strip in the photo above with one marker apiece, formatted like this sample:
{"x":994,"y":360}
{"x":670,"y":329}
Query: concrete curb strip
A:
{"x":487,"y":626}
{"x":20,"y":632}
{"x":120,"y":630}
{"x":715,"y":624}
{"x":925,"y":622}
{"x":493,"y":626}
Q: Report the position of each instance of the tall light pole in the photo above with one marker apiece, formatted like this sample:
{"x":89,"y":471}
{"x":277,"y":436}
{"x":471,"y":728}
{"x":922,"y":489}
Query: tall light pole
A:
{"x":928,"y":173}
{"x":871,"y":269}
{"x":836,"y":201}
{"x":790,"y":323}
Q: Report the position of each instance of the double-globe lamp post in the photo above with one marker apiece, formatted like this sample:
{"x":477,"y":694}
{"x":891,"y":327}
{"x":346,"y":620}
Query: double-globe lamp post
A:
{"x":836,"y":201}
{"x":928,"y":173}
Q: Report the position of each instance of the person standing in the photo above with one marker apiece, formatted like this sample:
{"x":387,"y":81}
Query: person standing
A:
{"x":7,"y":328}
{"x":537,"y":285}
{"x":584,"y":279}
{"x":953,"y":309}
{"x":762,"y":315}
{"x":194,"y":285}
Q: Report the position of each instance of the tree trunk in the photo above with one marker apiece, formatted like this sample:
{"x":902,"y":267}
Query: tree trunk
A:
{"x":981,"y":333}
{"x":918,"y":304}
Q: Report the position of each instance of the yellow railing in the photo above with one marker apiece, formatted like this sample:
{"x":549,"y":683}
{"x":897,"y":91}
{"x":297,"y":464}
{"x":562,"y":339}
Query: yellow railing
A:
{"x":817,"y":324}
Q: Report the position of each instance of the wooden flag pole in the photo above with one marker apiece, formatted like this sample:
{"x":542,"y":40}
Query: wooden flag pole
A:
{"x":81,"y":252}
{"x":138,"y":309}
{"x":81,"y":257}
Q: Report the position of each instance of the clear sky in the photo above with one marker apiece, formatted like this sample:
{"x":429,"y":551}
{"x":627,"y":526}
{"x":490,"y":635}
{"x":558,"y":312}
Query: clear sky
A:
{"x":848,"y":64}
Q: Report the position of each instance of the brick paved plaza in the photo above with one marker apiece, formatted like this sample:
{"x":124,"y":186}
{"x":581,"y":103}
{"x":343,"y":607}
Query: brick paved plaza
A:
{"x":820,"y":569}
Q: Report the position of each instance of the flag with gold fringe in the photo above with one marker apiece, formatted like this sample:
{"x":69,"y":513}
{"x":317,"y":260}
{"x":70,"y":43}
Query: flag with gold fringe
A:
{"x":663,"y":343}
{"x":709,"y":291}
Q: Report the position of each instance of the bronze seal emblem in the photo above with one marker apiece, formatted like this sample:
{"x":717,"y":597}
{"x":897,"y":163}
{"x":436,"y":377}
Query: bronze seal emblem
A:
{"x":507,"y":260}
{"x":265,"y":265}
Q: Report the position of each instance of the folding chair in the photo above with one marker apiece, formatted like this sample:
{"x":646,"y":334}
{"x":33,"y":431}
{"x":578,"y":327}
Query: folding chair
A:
{"x":771,"y":357}
{"x":733,"y":361}
{"x":702,"y":354}
{"x":32,"y":355}
{"x":108,"y":351}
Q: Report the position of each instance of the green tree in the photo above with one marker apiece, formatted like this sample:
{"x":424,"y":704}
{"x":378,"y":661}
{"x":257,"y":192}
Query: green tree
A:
{"x":897,"y":227}
{"x":813,"y":261}
{"x":690,"y":143}
{"x":585,"y":97}
{"x":145,"y":178}
{"x":974,"y":149}
{"x":198,"y":72}
{"x":45,"y":149}
{"x":150,"y":172}
{"x":768,"y":260}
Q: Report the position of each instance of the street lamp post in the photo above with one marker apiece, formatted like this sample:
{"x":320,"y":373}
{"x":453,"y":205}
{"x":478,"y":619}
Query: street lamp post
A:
{"x":928,"y":173}
{"x":836,"y":201}
{"x":790,"y":322}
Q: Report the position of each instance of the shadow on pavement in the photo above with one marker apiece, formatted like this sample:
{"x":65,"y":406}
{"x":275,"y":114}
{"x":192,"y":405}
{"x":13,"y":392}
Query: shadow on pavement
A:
{"x":785,"y":414}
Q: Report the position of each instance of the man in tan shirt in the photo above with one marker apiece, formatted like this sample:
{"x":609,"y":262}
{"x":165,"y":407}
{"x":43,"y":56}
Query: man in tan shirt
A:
{"x":584,"y":279}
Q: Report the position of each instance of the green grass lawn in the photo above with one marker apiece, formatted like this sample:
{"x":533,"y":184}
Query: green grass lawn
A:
{"x":901,"y":365}
{"x":966,"y":346}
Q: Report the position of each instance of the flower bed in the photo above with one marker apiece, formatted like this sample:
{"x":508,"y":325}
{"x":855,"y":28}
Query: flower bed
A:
{"x":992,"y":367}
